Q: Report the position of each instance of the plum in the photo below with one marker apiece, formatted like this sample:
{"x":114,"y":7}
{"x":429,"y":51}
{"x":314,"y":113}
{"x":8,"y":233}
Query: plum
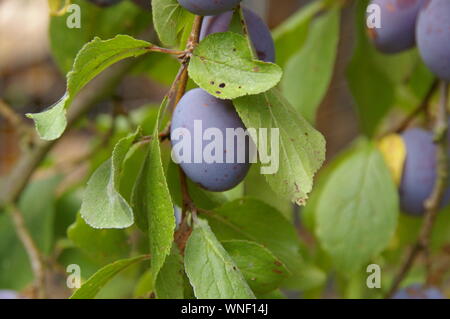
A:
{"x":9,"y":294}
{"x":198,"y":114}
{"x":105,"y":3}
{"x":398,"y":23}
{"x":418,"y":292}
{"x":419,"y":172}
{"x":433,"y":37}
{"x":258,"y":31}
{"x":208,"y":7}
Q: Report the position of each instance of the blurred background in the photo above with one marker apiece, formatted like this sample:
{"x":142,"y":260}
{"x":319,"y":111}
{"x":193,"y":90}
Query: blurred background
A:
{"x":36,"y":52}
{"x":30,"y":79}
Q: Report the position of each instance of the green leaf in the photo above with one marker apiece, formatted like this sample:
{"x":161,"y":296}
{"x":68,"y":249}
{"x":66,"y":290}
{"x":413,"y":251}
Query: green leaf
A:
{"x":144,"y":286}
{"x":357,"y":208}
{"x":291,"y":35}
{"x":93,"y":58}
{"x":309,"y":212}
{"x":103,"y":206}
{"x":301,"y":147}
{"x":37,"y":205}
{"x":373,"y":90}
{"x":222,"y":64}
{"x":256,"y":187}
{"x":253,"y":220}
{"x":152,"y":203}
{"x":211,"y":271}
{"x":170,"y":281}
{"x":262,"y":270}
{"x":109,"y":244}
{"x":308,"y":74}
{"x":276,"y":294}
{"x":93,"y":285}
{"x":305,"y":278}
{"x":95,"y":22}
{"x":170,"y":19}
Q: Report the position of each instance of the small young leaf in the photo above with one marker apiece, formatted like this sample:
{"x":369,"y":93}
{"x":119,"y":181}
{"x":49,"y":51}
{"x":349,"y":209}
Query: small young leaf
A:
{"x":152,"y":203}
{"x":103,"y":206}
{"x":170,"y":281}
{"x":211,"y":271}
{"x":308,"y":74}
{"x":170,"y":19}
{"x":222,"y":64}
{"x":93,"y":285}
{"x":262,"y":270}
{"x":356,"y":222}
{"x":301,"y":147}
{"x":93,"y":58}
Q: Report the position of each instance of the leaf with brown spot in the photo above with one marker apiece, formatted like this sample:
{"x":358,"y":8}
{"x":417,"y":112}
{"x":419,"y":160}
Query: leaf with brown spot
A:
{"x":235,"y":72}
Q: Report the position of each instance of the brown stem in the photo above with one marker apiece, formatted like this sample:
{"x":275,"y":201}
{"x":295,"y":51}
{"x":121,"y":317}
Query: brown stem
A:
{"x":14,"y":119}
{"x":177,"y":53}
{"x":35,"y":256}
{"x":195,"y":33}
{"x":432,"y":204}
{"x":421,"y":108}
{"x":184,"y":231}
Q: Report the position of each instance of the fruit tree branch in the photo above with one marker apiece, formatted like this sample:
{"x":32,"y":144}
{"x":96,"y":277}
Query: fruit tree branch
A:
{"x":421,"y":108}
{"x":432,"y":204}
{"x":184,"y":231}
{"x":17,"y":180}
{"x":36,"y":259}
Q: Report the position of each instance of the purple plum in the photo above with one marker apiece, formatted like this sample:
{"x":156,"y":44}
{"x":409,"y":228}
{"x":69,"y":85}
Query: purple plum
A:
{"x":197,"y":115}
{"x":208,"y":7}
{"x":398,"y":25}
{"x":419,"y":172}
{"x":433,"y":37}
{"x":418,"y":292}
{"x":259,"y":32}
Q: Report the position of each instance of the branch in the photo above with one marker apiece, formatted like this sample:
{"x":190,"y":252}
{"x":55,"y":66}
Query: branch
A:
{"x":14,"y":119}
{"x":35,"y":256}
{"x":432,"y":204}
{"x":421,"y":108}
{"x":184,"y":231}
{"x":101,"y":88}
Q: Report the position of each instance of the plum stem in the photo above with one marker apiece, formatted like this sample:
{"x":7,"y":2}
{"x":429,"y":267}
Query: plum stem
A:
{"x":418,"y":110}
{"x":432,"y":204}
{"x":180,"y":83}
{"x":155,"y":48}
